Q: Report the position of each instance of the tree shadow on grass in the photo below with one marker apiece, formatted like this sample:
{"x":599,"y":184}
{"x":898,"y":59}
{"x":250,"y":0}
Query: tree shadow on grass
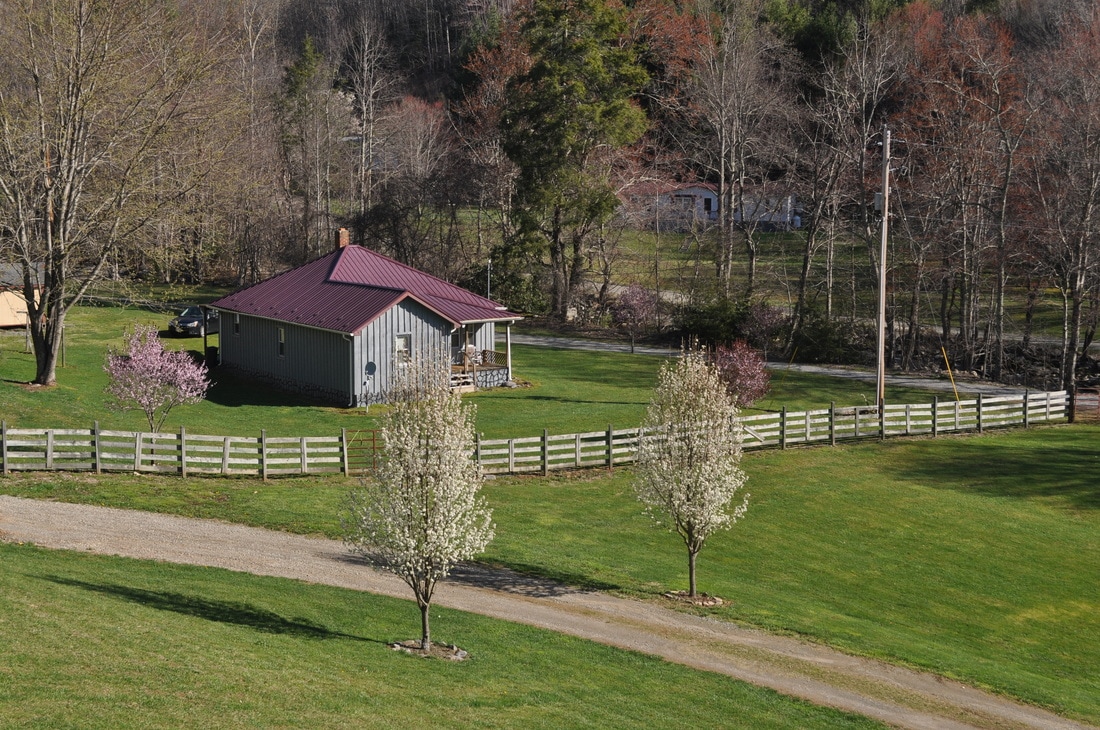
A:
{"x":228,"y":612}
{"x":567,"y":399}
{"x":518,"y":579}
{"x":1066,"y":471}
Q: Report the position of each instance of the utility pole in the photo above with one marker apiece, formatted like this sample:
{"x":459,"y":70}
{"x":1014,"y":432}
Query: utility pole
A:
{"x":882,"y":268}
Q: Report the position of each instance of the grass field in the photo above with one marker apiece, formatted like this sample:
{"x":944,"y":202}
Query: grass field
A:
{"x":571,"y":391}
{"x":96,"y":642}
{"x":975,"y":557}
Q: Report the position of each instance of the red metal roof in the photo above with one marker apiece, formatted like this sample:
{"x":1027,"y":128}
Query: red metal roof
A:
{"x":349,"y":288}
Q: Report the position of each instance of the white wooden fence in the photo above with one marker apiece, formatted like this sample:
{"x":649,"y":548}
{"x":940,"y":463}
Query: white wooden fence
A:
{"x":24,"y":449}
{"x":27,"y":449}
{"x":780,"y":430}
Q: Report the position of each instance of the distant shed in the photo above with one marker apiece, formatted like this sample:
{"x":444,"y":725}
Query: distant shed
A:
{"x":13,"y":305}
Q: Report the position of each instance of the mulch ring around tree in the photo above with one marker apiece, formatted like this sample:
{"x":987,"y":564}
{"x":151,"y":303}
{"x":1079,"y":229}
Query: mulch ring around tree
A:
{"x":449,"y":652}
{"x":703,"y":600}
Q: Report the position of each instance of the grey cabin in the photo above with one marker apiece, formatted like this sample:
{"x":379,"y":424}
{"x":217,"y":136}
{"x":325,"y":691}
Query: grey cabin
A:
{"x":336,"y":328}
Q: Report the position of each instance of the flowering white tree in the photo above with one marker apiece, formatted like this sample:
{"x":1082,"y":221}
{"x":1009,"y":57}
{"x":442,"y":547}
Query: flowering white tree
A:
{"x":422,"y":513}
{"x":689,"y":454}
{"x":156,"y":380}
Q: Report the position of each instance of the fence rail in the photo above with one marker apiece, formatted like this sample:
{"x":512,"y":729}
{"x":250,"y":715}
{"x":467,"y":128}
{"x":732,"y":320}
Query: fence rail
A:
{"x":783,"y":429}
{"x":356,"y":452}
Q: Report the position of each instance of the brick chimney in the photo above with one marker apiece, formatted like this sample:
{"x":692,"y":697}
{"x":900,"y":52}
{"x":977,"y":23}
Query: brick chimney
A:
{"x":343,"y":238}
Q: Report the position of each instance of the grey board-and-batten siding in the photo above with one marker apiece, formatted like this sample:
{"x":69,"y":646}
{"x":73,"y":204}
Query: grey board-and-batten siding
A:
{"x":313,"y":361}
{"x":375,"y":346}
{"x":341,"y":368}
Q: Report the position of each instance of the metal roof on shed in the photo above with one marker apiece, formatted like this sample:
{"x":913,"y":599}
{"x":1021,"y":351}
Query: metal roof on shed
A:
{"x":349,"y":288}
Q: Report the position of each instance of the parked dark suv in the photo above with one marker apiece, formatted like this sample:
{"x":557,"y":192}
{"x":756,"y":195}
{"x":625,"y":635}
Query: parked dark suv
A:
{"x":192,"y":322}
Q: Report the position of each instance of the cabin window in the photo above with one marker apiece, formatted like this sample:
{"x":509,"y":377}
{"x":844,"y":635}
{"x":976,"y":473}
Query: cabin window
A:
{"x":236,"y":324}
{"x":282,"y":341}
{"x":402,"y":349}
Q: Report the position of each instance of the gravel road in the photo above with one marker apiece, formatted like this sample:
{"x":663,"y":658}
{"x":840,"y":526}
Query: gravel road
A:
{"x":894,"y":695}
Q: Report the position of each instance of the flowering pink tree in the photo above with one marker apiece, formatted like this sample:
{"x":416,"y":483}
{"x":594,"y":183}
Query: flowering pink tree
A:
{"x":742,"y":370}
{"x":148,"y":377}
{"x":635,"y":310}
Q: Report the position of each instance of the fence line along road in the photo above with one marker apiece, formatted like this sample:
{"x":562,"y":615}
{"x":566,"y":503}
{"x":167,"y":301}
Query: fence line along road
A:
{"x":356,"y":452}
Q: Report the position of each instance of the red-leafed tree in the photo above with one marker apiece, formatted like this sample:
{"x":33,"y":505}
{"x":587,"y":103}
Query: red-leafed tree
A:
{"x":966,"y":125}
{"x":635,"y":310}
{"x":743,"y":370}
{"x":155,"y":380}
{"x":1066,"y":187}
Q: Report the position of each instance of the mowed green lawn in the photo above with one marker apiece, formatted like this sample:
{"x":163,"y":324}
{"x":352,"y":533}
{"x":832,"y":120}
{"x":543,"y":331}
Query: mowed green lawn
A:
{"x":568,"y":392}
{"x":975,"y":557}
{"x":97,"y":642}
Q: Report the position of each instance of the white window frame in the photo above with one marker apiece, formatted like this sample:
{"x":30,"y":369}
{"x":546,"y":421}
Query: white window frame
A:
{"x":402,"y":348}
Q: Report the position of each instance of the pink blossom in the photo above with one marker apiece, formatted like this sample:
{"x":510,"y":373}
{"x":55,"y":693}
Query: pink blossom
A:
{"x":742,"y":370}
{"x":148,"y":377}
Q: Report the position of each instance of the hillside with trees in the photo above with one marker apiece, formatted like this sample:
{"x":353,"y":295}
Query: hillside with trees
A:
{"x":525,"y":146}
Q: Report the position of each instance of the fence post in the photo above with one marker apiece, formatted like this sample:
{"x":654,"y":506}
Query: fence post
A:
{"x":226,"y":446}
{"x":855,"y":422}
{"x":935,"y":415}
{"x":832,"y":423}
{"x":344,"y":450}
{"x":882,"y":421}
{"x":610,"y":448}
{"x":477,"y":448}
{"x":138,"y":438}
{"x":263,"y":454}
{"x":183,"y":451}
{"x":545,"y":452}
{"x":980,"y":423}
{"x":304,"y":455}
{"x":95,"y":445}
{"x":783,"y":428}
{"x":1027,"y":421}
{"x":908,"y":419}
{"x":577,"y":449}
{"x":49,"y":449}
{"x":4,"y":446}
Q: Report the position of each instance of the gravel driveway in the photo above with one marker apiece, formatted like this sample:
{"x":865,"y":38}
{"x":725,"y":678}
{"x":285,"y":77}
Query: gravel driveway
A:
{"x":891,"y":694}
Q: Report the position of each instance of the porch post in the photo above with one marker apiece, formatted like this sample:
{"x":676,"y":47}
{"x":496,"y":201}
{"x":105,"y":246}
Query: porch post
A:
{"x":508,"y":348}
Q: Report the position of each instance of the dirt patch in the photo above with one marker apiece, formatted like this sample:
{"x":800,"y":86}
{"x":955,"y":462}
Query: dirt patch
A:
{"x":447,"y":652}
{"x":701,"y":600}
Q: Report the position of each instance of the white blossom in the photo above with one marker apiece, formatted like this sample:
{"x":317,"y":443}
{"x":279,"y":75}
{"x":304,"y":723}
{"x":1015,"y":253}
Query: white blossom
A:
{"x":689,"y":454}
{"x":422,"y":512}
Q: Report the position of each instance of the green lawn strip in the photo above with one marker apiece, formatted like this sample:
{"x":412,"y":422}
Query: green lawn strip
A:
{"x":975,"y":557}
{"x":99,"y":642}
{"x":571,"y":391}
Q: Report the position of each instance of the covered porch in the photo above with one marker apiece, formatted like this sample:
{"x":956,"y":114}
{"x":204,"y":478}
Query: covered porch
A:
{"x":473,"y":366}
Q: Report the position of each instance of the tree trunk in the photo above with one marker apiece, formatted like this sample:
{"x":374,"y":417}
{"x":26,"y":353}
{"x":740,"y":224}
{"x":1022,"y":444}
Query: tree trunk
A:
{"x":691,"y":572}
{"x":425,"y":626}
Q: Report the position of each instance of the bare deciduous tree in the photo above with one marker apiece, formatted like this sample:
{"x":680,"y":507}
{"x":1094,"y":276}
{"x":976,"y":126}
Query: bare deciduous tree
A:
{"x":93,"y":93}
{"x":739,"y":97}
